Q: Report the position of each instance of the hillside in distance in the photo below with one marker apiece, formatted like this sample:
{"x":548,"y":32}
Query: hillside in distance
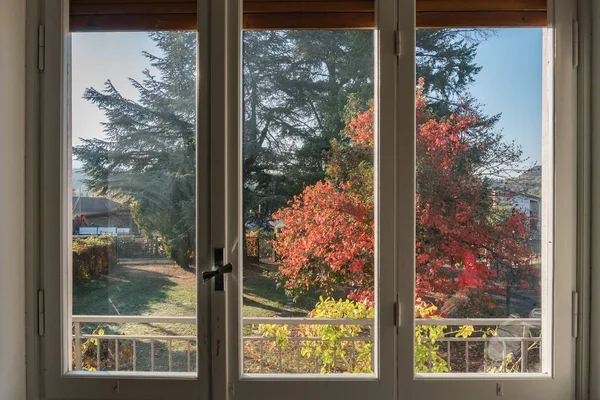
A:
{"x":528,"y":182}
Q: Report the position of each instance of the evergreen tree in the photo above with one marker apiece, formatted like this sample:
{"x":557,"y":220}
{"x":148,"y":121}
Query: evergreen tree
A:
{"x":315,"y":73}
{"x":296,"y":85}
{"x":445,"y":60}
{"x":148,"y":156}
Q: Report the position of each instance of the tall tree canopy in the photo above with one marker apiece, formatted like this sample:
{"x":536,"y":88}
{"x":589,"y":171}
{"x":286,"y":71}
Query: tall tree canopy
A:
{"x":148,"y":155}
{"x":466,"y":244}
{"x":296,"y":84}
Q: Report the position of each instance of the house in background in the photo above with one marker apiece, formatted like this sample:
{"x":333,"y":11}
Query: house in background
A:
{"x":98,"y":215}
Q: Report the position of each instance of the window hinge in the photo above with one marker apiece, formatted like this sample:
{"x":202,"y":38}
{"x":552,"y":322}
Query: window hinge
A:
{"x":41,"y":47}
{"x":574,"y":313}
{"x":398,"y":42}
{"x":41,"y":313}
{"x":575,"y":34}
{"x":397,"y":312}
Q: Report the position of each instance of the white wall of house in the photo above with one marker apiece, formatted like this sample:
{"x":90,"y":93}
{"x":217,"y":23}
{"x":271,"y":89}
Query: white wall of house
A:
{"x":12,"y":199}
{"x":523,"y":202}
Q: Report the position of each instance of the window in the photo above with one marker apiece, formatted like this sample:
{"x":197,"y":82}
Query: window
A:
{"x":348,"y":243}
{"x":309,"y":174}
{"x":480,"y":157}
{"x":133,"y":267}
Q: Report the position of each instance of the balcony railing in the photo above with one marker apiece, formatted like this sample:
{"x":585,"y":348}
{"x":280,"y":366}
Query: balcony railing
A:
{"x":309,"y":345}
{"x":132,"y":352}
{"x":495,"y":345}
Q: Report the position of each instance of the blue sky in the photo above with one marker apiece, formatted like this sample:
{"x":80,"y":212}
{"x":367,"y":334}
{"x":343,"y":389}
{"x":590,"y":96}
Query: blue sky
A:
{"x":510,"y":82}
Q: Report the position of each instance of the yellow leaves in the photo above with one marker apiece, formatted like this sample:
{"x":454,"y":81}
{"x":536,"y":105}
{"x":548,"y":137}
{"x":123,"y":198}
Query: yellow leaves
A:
{"x":465,"y":331}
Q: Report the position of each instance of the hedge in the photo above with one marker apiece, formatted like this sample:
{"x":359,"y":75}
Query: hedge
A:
{"x":93,"y":257}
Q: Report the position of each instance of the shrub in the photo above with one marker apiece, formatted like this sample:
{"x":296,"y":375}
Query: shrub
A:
{"x":89,"y":354}
{"x":92,"y":257}
{"x":335,"y":352}
{"x":427,"y":358}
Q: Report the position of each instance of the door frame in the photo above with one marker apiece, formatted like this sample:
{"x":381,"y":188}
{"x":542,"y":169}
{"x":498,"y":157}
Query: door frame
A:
{"x":561,"y":91}
{"x":322,"y":386}
{"x":54,"y":149}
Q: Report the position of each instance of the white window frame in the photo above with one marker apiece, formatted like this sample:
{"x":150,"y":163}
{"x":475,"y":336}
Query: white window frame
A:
{"x":560,"y":249}
{"x":56,"y":381}
{"x":50,"y":380}
{"x":271,"y":386}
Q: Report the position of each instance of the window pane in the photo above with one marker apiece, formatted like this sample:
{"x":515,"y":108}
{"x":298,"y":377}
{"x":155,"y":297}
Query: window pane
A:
{"x":133,"y":201}
{"x":308,"y":198}
{"x":479,"y":206}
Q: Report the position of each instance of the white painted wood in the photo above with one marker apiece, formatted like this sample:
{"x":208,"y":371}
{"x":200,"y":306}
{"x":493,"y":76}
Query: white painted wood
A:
{"x":54,"y":150}
{"x":405,"y":148}
{"x":32,"y":193}
{"x":584,"y":206}
{"x":594,"y":355}
{"x":381,"y":385}
{"x":479,"y":321}
{"x":559,"y":235}
{"x":307,"y":321}
{"x":134,"y":318}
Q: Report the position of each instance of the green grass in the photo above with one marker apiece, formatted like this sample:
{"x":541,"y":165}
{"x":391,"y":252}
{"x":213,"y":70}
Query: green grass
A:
{"x":168,"y":290}
{"x":263,"y":298}
{"x":266,"y":300}
{"x":164,"y":290}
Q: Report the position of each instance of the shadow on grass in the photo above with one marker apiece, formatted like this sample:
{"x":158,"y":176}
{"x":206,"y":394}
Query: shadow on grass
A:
{"x":126,"y":291}
{"x":255,"y":304}
{"x":267,"y":299}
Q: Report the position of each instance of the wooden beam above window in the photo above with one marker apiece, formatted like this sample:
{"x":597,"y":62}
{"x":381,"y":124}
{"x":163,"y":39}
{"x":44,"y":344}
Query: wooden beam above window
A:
{"x":153,"y":15}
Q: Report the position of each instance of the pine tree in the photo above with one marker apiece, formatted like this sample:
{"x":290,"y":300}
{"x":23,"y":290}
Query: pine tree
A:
{"x":148,"y":156}
{"x":296,"y":85}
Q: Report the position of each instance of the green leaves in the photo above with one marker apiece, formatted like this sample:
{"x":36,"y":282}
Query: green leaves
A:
{"x":340,"y":348}
{"x":281,"y":333}
{"x":147,"y":158}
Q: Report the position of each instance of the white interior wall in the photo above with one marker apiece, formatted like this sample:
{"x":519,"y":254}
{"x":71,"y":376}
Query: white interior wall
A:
{"x":12,"y":213}
{"x":12,"y":199}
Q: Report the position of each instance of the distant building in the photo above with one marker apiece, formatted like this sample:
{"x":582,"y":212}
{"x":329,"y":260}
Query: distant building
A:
{"x":98,"y":215}
{"x":529,"y":204}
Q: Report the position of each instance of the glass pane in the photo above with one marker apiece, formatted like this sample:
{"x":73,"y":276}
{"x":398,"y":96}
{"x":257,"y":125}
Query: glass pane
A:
{"x":308,"y":202}
{"x":133,"y":201}
{"x":479,"y":206}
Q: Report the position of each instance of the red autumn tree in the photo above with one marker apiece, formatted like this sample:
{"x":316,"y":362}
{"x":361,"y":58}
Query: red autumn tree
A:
{"x":468,"y":245}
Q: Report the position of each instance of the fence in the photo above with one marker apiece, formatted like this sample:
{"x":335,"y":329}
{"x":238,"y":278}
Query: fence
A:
{"x":95,"y":350}
{"x":290,"y":345}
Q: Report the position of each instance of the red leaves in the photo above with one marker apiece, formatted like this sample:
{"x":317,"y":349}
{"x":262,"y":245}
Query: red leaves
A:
{"x":327,"y":232}
{"x":464,"y":243}
{"x":360,"y":129}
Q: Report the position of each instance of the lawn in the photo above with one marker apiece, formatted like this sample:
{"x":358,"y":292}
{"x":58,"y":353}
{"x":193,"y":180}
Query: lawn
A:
{"x":165,"y":289}
{"x":168,"y":290}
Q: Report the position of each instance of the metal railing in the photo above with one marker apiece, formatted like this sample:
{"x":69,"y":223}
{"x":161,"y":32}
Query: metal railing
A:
{"x":493,"y":344}
{"x":290,"y":358}
{"x":517,"y":337}
{"x":269,"y":352}
{"x":96,"y":340}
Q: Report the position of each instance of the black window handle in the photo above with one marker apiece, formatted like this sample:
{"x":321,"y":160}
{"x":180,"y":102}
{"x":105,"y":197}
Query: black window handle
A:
{"x":218,"y":273}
